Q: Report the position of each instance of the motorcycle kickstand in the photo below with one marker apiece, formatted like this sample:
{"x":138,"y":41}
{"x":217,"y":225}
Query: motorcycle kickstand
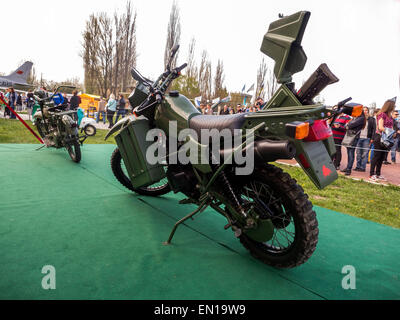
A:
{"x":201,"y":208}
{"x":40,"y":147}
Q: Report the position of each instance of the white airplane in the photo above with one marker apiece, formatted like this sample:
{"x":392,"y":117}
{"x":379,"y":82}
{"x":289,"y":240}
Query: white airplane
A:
{"x":17,"y":79}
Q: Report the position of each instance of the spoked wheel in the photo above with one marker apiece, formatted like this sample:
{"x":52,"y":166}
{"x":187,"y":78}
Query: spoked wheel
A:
{"x":295,"y":234}
{"x":120,"y":172}
{"x":40,"y":128}
{"x":90,"y":130}
{"x":74,"y":151}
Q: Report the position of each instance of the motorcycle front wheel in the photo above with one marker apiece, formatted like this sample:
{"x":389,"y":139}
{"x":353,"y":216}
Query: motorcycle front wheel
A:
{"x":295,"y":234}
{"x":40,"y":128}
{"x":120,"y":172}
{"x":74,"y":151}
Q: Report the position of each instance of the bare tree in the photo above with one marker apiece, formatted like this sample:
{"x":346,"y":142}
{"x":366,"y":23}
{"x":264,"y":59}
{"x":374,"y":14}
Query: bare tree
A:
{"x":90,"y":54}
{"x":266,"y":82}
{"x":191,"y":69}
{"x":261,"y":73}
{"x":118,"y":56}
{"x":32,"y":77}
{"x":129,"y":40}
{"x":271,"y":85}
{"x":205,"y":76}
{"x":173,"y":34}
{"x":109,"y":52}
{"x":219,"y":78}
{"x":106,"y":46}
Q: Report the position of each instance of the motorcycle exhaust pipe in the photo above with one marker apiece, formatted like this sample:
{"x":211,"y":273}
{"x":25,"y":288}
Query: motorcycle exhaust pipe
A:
{"x":268,"y":150}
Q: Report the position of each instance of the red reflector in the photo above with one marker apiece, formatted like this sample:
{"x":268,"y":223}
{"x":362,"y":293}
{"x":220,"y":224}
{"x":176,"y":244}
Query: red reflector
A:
{"x":326,"y":171}
{"x":303,"y":161}
{"x":319,"y":130}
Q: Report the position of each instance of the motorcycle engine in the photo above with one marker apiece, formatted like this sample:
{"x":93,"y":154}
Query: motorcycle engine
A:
{"x":182,"y":179}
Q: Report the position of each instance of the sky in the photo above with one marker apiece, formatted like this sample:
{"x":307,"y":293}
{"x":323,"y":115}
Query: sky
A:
{"x":358,"y":39}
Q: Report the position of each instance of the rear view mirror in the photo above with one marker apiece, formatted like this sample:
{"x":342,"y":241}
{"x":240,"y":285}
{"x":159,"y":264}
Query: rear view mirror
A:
{"x":282,"y":43}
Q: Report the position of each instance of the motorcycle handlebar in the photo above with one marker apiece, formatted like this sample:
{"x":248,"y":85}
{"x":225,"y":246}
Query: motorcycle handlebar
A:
{"x":342,"y":103}
{"x":179,"y":69}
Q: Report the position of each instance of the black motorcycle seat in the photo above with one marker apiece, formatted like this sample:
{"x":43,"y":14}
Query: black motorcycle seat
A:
{"x":231,"y":122}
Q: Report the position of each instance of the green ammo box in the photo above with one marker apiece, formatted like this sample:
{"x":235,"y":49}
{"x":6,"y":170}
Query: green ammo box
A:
{"x":132,"y":144}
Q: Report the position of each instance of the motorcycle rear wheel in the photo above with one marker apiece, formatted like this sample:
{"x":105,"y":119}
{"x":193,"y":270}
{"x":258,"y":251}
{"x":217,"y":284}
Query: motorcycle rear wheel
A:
{"x":118,"y":168}
{"x":74,"y":151}
{"x":295,"y":225}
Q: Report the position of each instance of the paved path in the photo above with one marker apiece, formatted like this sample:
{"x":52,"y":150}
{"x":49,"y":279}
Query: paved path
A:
{"x":390,"y":172}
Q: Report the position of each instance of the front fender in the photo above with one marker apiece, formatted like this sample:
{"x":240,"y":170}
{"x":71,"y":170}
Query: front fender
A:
{"x":120,"y":124}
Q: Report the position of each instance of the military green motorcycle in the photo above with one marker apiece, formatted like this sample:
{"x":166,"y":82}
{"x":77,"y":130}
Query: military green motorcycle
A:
{"x":56,"y":126}
{"x":265,"y":208}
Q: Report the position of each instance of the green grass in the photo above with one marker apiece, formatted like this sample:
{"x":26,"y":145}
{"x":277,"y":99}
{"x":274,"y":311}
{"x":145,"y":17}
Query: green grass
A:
{"x":364,"y":200}
{"x":357,"y":198}
{"x":13,"y":131}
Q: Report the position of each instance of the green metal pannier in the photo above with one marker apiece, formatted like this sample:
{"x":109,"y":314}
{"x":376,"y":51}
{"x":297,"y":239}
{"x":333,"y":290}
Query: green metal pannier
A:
{"x":132,"y":144}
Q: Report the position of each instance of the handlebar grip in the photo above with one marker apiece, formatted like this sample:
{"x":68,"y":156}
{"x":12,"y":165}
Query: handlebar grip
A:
{"x":158,"y":97}
{"x":179,"y":69}
{"x":342,"y":103}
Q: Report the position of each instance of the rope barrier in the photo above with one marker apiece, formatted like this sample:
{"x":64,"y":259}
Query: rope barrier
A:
{"x":339,"y":145}
{"x":20,"y":119}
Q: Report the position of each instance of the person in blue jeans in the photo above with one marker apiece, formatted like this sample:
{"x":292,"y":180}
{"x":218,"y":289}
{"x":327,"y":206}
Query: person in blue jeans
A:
{"x":101,"y":110}
{"x":396,"y":127}
{"x":120,"y":108}
{"x":364,"y":141}
{"x":356,"y":124}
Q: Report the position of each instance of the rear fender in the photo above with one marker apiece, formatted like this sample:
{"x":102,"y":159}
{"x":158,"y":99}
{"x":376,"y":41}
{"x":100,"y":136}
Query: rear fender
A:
{"x":315,"y":160}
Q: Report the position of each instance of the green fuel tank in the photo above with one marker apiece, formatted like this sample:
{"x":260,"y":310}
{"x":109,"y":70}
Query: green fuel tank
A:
{"x":175,"y":107}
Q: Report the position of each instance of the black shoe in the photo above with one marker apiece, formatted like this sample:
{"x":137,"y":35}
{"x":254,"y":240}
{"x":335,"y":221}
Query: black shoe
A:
{"x":386,"y":162}
{"x":347,"y":173}
{"x":357,"y":169}
{"x":343,"y":170}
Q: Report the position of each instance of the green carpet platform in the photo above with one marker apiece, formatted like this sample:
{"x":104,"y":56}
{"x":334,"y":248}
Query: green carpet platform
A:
{"x":106,"y":242}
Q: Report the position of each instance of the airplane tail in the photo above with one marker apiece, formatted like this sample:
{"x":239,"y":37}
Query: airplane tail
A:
{"x":21,"y":74}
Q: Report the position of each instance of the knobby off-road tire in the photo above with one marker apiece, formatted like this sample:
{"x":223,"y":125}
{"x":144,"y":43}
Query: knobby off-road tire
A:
{"x":74,"y":151}
{"x":40,"y":128}
{"x":295,"y":211}
{"x":117,"y":165}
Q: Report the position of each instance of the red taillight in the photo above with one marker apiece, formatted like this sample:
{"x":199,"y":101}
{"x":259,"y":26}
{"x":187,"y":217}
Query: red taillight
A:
{"x":303,"y":161}
{"x":319,"y":130}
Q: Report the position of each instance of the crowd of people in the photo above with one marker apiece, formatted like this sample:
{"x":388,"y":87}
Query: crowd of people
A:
{"x":107,"y":109}
{"x":366,"y":145}
{"x":110,"y":110}
{"x":374,"y":136}
{"x":205,"y":108}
